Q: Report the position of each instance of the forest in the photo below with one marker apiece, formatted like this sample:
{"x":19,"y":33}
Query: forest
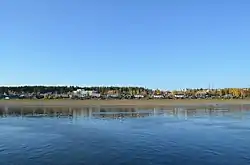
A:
{"x":234,"y":92}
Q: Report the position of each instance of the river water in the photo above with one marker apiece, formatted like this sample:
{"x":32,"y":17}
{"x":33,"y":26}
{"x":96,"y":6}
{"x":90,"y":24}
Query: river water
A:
{"x":126,"y":136}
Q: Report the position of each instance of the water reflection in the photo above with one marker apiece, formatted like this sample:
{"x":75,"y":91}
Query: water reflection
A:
{"x":160,"y":135}
{"x":125,"y":112}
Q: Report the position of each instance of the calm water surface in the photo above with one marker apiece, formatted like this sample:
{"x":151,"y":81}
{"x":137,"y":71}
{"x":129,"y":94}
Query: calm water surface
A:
{"x":106,"y":136}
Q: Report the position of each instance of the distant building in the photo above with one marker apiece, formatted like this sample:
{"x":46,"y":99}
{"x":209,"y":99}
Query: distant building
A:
{"x":113,"y":95}
{"x":179,"y":96}
{"x":158,"y":96}
{"x":201,"y":94}
{"x":6,"y":98}
{"x":95,"y":94}
{"x":138,"y":96}
{"x":228,"y":96}
{"x":83,"y":93}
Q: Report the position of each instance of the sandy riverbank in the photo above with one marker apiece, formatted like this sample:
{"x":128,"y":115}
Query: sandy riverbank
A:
{"x":78,"y":103}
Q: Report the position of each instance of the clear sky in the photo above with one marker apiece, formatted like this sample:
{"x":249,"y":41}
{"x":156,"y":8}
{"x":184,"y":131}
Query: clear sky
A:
{"x":154,"y":43}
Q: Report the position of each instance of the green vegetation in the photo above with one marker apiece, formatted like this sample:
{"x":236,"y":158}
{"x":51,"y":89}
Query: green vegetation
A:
{"x":123,"y":92}
{"x":67,"y":89}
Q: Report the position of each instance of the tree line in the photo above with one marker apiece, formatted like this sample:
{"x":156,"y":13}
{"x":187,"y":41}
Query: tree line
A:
{"x":67,"y":89}
{"x":235,"y":92}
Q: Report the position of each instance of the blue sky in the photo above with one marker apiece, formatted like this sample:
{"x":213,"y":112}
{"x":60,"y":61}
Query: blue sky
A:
{"x":158,"y":44}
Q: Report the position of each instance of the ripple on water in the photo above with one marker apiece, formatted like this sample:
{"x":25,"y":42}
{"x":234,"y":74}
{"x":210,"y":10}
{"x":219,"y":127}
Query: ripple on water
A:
{"x":197,"y":139}
{"x":10,"y":129}
{"x":2,"y":148}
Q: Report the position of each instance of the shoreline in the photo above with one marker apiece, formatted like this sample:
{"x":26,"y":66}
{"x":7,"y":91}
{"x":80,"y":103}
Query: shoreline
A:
{"x":112,"y":103}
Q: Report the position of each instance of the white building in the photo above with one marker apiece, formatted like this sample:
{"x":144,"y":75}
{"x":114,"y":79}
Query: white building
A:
{"x":180,"y":96}
{"x":158,"y":96}
{"x":138,"y":96}
{"x":83,"y":93}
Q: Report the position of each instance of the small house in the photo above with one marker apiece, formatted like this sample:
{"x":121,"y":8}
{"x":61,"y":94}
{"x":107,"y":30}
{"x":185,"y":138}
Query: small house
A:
{"x":179,"y":96}
{"x":158,"y":96}
{"x":138,"y":96}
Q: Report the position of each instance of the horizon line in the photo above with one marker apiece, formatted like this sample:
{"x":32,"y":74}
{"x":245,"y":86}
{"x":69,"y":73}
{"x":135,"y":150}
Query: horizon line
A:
{"x":115,"y":85}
